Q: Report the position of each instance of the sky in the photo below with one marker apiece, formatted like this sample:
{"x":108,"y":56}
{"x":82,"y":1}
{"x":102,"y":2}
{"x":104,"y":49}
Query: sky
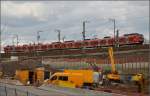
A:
{"x":26,"y":18}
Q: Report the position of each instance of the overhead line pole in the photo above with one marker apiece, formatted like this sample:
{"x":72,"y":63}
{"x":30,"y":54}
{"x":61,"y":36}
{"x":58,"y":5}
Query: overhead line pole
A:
{"x":117,"y":38}
{"x":83,"y":33}
{"x":1,"y":41}
{"x":17,"y":39}
{"x":59,"y":35}
{"x":83,"y":30}
{"x":114,"y":30}
{"x":114,"y":21}
{"x":38,"y":36}
{"x":0,"y":45}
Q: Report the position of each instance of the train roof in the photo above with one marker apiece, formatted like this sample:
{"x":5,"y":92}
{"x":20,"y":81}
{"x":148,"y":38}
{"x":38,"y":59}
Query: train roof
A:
{"x":55,"y":42}
{"x":107,"y":37}
{"x":69,"y":41}
{"x":131,"y":34}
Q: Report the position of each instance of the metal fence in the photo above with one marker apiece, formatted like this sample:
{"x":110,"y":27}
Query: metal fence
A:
{"x":6,"y":91}
{"x":134,"y":63}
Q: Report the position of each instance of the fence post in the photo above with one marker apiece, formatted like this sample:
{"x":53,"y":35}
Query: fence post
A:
{"x":0,"y":90}
{"x":27,"y":93}
{"x":6,"y":90}
{"x":15,"y":92}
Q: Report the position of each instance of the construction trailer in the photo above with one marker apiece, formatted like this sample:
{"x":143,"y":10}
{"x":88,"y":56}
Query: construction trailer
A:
{"x":32,"y":77}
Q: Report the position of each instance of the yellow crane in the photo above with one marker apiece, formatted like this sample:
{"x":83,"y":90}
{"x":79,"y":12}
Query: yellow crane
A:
{"x":114,"y":74}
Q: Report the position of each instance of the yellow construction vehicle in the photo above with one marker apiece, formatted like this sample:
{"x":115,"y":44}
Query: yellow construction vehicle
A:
{"x":113,"y":76}
{"x":74,"y":78}
{"x":137,"y":77}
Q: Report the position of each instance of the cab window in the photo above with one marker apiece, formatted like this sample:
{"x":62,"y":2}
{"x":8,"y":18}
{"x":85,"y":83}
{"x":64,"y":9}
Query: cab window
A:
{"x":63,"y":78}
{"x":54,"y":78}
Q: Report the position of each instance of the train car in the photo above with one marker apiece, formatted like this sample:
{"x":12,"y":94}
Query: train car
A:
{"x":87,"y":43}
{"x":18,"y":49}
{"x":102,"y":42}
{"x":7,"y":49}
{"x":122,"y":41}
{"x":91,"y":43}
{"x":78,"y":44}
{"x":134,"y":38}
{"x":44,"y":47}
{"x":126,"y":39}
{"x":25,"y":48}
{"x":69,"y":44}
{"x":63,"y":46}
{"x":56,"y":45}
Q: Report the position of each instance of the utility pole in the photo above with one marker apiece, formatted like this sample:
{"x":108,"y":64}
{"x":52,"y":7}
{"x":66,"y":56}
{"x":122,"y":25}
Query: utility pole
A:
{"x":63,"y":38}
{"x":83,"y":33}
{"x":17,"y":39}
{"x":114,"y":21}
{"x":1,"y":30}
{"x":0,"y":44}
{"x":13,"y":43}
{"x":59,"y":35}
{"x":38,"y":36}
{"x":117,"y":38}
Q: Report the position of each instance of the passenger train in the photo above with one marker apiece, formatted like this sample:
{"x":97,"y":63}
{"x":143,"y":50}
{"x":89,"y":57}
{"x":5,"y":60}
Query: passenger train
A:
{"x":126,"y":39}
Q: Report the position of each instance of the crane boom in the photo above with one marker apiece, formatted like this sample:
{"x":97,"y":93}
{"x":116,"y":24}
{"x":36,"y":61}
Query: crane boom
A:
{"x":114,"y":74}
{"x":110,"y":50}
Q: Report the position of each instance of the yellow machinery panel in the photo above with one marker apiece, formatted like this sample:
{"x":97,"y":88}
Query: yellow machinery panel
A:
{"x":137,"y":77}
{"x":113,"y":76}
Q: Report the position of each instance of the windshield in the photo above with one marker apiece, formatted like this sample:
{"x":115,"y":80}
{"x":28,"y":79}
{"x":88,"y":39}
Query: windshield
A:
{"x":53,"y":78}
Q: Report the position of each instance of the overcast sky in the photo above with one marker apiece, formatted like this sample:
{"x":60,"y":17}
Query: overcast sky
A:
{"x":26,"y":18}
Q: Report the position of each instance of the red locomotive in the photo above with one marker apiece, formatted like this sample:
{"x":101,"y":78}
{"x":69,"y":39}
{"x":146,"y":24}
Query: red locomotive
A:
{"x":126,"y":39}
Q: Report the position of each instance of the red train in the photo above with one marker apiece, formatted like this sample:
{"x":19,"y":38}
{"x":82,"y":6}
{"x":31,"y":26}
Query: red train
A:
{"x":126,"y":39}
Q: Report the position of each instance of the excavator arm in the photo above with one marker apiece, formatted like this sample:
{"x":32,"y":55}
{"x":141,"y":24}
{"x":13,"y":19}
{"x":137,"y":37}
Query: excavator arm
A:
{"x":113,"y":75}
{"x":110,"y":51}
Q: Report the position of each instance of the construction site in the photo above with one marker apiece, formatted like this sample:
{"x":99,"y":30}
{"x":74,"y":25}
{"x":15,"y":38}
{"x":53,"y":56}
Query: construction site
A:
{"x":114,"y":65}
